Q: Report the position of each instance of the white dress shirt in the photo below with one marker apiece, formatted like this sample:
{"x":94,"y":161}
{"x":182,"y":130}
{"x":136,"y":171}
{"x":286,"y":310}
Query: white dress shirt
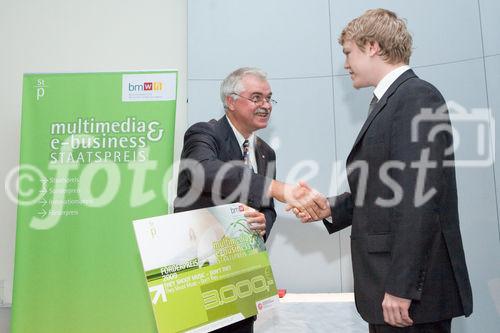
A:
{"x":389,"y":79}
{"x":251,"y":145}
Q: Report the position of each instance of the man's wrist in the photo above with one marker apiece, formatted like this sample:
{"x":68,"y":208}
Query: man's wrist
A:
{"x":276,"y":190}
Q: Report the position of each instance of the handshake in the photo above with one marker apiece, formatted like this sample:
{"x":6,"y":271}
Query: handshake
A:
{"x":305,"y":202}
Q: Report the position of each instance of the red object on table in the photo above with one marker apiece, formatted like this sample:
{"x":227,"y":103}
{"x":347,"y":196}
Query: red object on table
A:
{"x":281,"y":293}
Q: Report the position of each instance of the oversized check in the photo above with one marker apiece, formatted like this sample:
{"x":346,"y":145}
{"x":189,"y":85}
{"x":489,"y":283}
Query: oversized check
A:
{"x":205,"y":268}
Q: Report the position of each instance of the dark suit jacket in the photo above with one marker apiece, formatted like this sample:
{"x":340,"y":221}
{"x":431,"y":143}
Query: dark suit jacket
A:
{"x":411,"y":249}
{"x":214,"y":148}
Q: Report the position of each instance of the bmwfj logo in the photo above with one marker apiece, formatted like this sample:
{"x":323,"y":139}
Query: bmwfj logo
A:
{"x":237,"y":210}
{"x":146,"y":86}
{"x":149,"y":87}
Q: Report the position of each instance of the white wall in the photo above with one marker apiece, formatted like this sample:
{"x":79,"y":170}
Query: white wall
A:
{"x":79,"y":36}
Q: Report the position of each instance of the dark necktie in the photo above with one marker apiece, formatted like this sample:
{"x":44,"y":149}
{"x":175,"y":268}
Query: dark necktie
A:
{"x":246,"y":155}
{"x":373,"y":102}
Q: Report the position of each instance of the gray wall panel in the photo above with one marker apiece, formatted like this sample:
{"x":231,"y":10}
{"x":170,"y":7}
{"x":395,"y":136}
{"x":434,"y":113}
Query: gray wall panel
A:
{"x":284,"y":37}
{"x":443,"y":31}
{"x":490,"y":10}
{"x":204,"y":102}
{"x":493,"y":82}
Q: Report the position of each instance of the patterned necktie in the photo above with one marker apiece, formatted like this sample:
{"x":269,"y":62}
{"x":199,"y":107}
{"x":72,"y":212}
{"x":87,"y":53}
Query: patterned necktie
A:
{"x":246,"y":155}
{"x":373,"y":102}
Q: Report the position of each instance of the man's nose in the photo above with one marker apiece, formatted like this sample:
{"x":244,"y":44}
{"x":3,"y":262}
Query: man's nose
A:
{"x":266,"y":104}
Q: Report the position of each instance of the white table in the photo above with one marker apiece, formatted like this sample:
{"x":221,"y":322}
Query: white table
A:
{"x":301,"y":313}
{"x":296,"y":313}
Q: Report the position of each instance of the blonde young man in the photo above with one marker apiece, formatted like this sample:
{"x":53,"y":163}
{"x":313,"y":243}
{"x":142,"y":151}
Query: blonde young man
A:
{"x":408,"y":261}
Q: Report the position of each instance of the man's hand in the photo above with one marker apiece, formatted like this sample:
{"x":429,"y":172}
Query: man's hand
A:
{"x":396,"y":311}
{"x":304,"y":216}
{"x":301,"y":196}
{"x":256,"y":220}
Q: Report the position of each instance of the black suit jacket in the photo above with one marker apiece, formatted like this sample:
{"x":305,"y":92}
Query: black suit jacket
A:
{"x":213,"y":148}
{"x":410,"y":247}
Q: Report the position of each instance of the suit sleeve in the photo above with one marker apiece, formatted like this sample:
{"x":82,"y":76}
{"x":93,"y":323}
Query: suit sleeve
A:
{"x":415,"y":223}
{"x":215,"y":176}
{"x":270,"y":215}
{"x":270,"y":212}
{"x":341,"y":211}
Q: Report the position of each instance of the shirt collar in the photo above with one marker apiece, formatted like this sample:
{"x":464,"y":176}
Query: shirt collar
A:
{"x":240,"y":138}
{"x":389,"y":79}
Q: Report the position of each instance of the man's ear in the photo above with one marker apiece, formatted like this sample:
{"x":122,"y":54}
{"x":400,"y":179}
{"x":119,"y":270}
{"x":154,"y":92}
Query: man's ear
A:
{"x":373,"y":48}
{"x":230,"y":103}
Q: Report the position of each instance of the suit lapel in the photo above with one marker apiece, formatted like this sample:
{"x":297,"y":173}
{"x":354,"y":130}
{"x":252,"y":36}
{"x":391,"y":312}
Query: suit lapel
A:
{"x":234,"y":150}
{"x":378,"y":107}
{"x":260,"y":157}
{"x":381,"y":103}
{"x":230,"y":141}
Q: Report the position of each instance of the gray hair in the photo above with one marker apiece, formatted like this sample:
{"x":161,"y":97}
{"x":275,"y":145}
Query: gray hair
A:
{"x":232,"y":83}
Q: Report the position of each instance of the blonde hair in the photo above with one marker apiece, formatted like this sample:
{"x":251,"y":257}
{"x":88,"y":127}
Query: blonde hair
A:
{"x":385,"y":28}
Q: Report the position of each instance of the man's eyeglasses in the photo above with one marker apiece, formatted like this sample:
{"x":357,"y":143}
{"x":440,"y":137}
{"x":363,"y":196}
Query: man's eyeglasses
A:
{"x":258,"y":99}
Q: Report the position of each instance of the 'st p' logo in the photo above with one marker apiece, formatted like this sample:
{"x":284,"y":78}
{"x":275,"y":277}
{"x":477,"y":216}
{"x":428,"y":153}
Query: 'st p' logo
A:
{"x":40,"y":89}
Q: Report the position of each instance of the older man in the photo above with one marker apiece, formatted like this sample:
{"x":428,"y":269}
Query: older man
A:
{"x":223,"y":161}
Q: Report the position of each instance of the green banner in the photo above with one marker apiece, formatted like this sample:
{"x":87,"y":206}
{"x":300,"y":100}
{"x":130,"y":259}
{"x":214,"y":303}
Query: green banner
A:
{"x":96,"y":154}
{"x":205,"y":269}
